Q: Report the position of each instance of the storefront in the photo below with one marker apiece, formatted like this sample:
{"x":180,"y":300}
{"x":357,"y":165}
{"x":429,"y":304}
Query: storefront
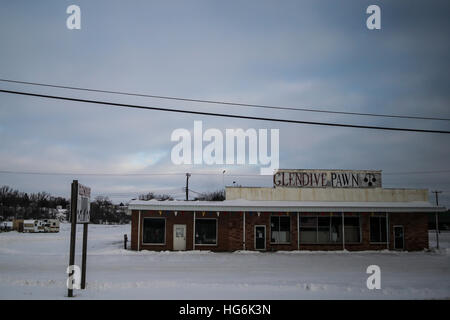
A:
{"x":351,"y":212}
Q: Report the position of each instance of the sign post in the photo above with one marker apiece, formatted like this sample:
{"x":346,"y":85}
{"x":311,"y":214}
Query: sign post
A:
{"x":73,"y":229}
{"x":80,"y":213}
{"x":83,"y":263}
{"x":83,"y":216}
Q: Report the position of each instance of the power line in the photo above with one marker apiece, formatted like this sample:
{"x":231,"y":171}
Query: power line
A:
{"x":417,"y":172}
{"x":180,"y":173}
{"x":144,"y":174}
{"x":235,"y":104}
{"x":224,"y":115}
{"x":88,"y":174}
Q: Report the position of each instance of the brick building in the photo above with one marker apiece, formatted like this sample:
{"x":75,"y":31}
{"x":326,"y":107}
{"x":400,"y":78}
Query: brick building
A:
{"x":305,"y":210}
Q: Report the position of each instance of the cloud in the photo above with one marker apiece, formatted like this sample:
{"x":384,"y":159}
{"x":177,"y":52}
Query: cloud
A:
{"x":296,"y":54}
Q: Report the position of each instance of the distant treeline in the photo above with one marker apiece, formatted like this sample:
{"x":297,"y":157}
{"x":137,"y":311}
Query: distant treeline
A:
{"x":218,"y":195}
{"x":104,"y":211}
{"x":22,"y":205}
{"x":42,"y":205}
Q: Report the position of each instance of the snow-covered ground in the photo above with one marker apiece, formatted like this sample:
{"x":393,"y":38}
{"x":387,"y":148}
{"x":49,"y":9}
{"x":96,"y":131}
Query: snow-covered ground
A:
{"x":32,"y":266}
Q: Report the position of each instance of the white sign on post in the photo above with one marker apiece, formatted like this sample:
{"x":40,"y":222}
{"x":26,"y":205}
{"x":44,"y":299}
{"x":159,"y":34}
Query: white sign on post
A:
{"x":84,"y":204}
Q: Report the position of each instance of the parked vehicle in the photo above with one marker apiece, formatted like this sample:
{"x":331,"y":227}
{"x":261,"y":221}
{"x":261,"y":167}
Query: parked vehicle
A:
{"x":6,"y":225}
{"x":51,"y":225}
{"x":30,"y":226}
{"x":46,"y":225}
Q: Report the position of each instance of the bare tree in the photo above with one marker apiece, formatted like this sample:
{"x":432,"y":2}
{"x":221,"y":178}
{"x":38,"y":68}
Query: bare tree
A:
{"x":218,"y":195}
{"x":151,"y":195}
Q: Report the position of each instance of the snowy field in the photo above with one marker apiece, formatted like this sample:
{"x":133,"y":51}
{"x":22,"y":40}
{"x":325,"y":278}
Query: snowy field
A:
{"x":32,"y":266}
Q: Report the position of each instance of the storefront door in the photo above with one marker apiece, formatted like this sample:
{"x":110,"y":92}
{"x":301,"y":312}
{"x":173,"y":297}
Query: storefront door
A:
{"x":398,"y":238}
{"x":260,"y":237}
{"x":179,"y":237}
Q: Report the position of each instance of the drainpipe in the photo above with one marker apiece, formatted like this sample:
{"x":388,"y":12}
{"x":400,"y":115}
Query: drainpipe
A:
{"x":139,"y":232}
{"x":193,"y":236}
{"x":387,"y":230}
{"x":243,"y":229}
{"x":343,"y":231}
{"x":298,"y":230}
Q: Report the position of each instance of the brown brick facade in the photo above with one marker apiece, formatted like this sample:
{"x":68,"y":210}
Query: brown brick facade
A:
{"x":230,"y":231}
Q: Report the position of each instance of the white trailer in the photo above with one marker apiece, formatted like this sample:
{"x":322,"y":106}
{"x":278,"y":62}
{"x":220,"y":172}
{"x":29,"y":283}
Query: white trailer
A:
{"x":30,"y":226}
{"x":46,"y":225}
{"x":51,"y":225}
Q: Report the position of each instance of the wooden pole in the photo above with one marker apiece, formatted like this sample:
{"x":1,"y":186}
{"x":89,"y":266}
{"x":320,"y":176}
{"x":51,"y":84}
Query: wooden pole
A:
{"x":187,"y":186}
{"x":73,"y":228}
{"x":83,"y":262}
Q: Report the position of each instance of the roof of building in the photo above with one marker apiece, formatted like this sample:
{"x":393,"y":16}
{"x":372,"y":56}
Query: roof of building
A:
{"x":285,"y":206}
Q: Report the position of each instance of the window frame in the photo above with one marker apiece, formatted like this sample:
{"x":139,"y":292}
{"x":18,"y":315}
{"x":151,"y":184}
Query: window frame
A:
{"x":290,"y":228}
{"x":317,"y":216}
{"x":217,"y":233}
{"x":165,"y":231}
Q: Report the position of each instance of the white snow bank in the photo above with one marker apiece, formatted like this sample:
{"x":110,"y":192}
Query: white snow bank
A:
{"x":33,"y":266}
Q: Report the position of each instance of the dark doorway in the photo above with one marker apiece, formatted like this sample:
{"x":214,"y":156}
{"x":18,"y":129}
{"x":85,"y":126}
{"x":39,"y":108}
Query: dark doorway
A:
{"x":399,"y":238}
{"x":260,"y":237}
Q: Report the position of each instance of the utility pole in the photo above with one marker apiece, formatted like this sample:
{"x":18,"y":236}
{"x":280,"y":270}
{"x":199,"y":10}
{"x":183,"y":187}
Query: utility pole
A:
{"x":187,"y":186}
{"x":223,"y":179}
{"x":436,"y":192}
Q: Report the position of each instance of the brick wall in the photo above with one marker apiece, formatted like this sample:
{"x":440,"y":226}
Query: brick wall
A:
{"x":230,"y":231}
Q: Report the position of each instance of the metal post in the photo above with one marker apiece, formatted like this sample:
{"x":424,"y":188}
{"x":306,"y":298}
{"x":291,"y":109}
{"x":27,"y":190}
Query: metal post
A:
{"x":83,"y":261}
{"x":387,"y":230}
{"x":193,"y":235}
{"x":437,"y":230}
{"x":139,"y":232}
{"x":437,"y":219}
{"x":125,"y":239}
{"x":73,"y":227}
{"x":243,"y":228}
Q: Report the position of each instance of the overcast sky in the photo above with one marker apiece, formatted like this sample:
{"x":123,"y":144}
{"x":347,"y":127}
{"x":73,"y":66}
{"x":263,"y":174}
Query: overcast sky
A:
{"x":314,"y":54}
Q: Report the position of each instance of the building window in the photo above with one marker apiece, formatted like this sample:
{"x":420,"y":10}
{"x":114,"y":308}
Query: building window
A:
{"x":280,"y":229}
{"x":318,"y":229}
{"x":154,"y":231}
{"x":352,"y":229}
{"x":308,"y":229}
{"x":323,"y":229}
{"x":336,"y":230}
{"x":378,"y":229}
{"x":206,"y":231}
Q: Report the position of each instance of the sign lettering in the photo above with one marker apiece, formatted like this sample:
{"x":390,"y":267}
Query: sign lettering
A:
{"x":327,"y":179}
